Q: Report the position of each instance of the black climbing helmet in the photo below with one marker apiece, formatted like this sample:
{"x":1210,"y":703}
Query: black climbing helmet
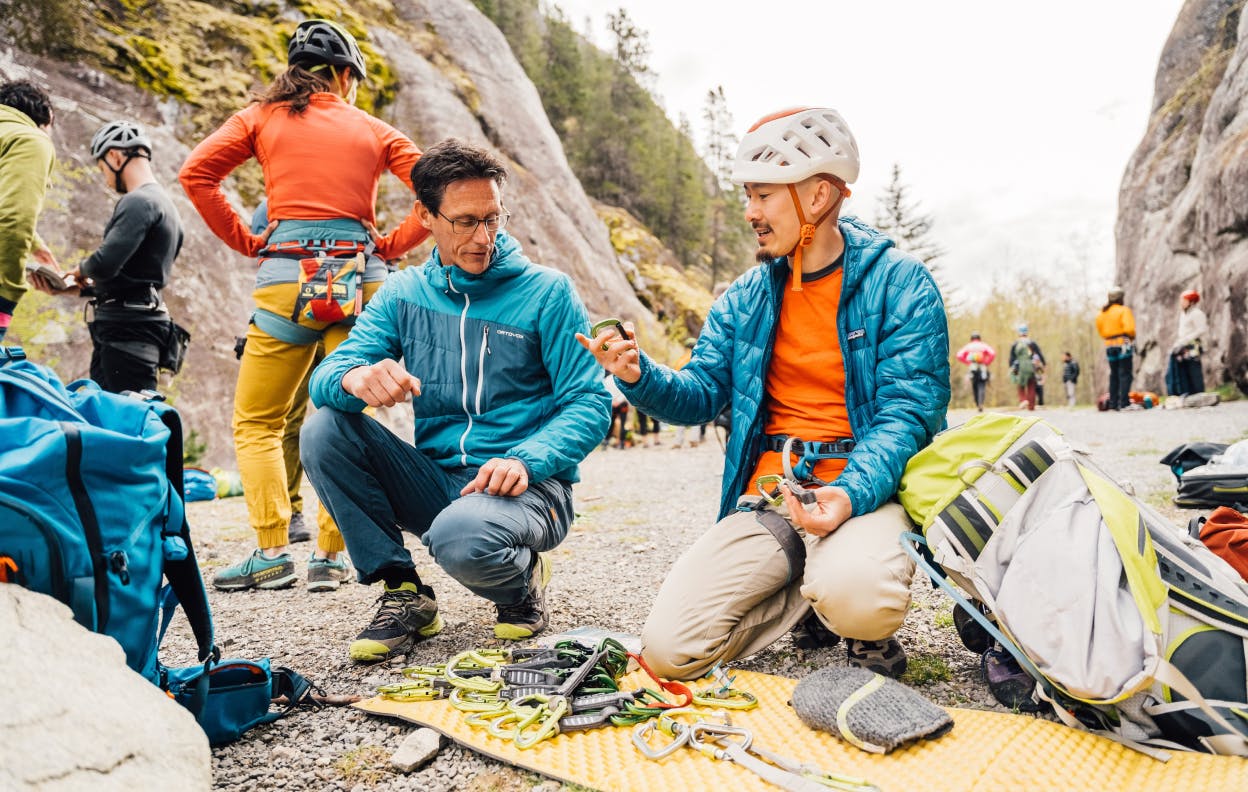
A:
{"x":321,"y":41}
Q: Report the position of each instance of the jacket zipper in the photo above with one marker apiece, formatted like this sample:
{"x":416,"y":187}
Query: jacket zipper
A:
{"x":485,"y":350}
{"x":463,"y":371}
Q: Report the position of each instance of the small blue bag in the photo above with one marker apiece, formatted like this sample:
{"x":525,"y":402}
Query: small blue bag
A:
{"x":234,"y":695}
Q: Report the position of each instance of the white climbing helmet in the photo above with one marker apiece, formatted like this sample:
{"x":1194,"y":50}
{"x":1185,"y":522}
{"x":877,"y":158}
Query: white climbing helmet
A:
{"x":792,"y":145}
{"x":119,"y":135}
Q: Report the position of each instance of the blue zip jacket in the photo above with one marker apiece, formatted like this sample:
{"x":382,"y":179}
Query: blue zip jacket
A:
{"x":895,"y":341}
{"x":500,"y":370}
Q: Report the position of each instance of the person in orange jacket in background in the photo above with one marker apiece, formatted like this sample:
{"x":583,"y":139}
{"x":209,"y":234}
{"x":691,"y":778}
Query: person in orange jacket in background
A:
{"x":322,"y":158}
{"x":1116,"y":325}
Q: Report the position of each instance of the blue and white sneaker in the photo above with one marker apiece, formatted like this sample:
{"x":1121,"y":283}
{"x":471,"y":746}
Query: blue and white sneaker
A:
{"x":256,"y":571}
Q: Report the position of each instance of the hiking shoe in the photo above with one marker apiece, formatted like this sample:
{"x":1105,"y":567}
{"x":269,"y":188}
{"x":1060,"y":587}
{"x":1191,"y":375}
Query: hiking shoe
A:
{"x":407,"y":614}
{"x":527,"y":617}
{"x":256,"y":571}
{"x":972,"y":633}
{"x":297,"y":531}
{"x":812,"y":633}
{"x":1007,"y":681}
{"x":327,"y":575}
{"x":885,"y":657}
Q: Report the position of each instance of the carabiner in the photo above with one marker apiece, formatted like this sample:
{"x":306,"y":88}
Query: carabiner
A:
{"x":771,"y":480}
{"x":641,"y":739}
{"x":728,"y":698}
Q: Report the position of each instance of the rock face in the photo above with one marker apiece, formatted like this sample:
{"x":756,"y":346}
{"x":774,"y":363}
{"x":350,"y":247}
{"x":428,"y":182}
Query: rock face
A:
{"x":458,"y":79}
{"x":75,"y":717}
{"x":1183,"y":204}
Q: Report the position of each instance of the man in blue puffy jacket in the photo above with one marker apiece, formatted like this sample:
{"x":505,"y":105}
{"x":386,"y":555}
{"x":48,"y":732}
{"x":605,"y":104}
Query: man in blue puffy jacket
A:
{"x":834,"y":383}
{"x":506,"y":406}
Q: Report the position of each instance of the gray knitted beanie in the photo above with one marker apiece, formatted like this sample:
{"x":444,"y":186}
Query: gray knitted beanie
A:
{"x":865,"y":709}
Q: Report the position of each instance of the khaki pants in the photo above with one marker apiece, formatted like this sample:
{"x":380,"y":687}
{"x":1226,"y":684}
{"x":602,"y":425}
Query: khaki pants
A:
{"x":726,"y":595}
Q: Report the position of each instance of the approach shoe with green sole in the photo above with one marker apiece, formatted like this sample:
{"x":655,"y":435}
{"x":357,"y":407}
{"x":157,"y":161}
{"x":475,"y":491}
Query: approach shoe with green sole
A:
{"x":257,"y":571}
{"x":407,"y":614}
{"x":527,"y":617}
{"x":327,"y":575}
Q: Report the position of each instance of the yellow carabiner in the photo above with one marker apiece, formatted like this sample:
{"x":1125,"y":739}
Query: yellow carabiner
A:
{"x":771,"y":481}
{"x":728,"y":698}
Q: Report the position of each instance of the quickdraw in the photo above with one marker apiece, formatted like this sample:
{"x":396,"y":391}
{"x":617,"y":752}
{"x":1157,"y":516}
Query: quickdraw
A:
{"x":716,"y":737}
{"x":725,"y":696}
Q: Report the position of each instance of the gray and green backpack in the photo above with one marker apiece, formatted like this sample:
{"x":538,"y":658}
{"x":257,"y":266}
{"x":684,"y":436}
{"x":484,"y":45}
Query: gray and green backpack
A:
{"x":1131,"y":627}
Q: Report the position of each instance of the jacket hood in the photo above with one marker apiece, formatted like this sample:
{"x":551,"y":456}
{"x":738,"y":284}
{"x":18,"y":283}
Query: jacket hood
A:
{"x":864,"y":246}
{"x":507,"y":262}
{"x":14,"y":116}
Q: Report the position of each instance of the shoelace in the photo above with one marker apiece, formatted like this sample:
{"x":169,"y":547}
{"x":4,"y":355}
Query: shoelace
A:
{"x":524,"y":609}
{"x":392,"y":606}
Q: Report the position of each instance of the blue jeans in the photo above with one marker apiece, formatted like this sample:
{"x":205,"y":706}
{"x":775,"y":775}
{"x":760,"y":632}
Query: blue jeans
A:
{"x":375,"y":485}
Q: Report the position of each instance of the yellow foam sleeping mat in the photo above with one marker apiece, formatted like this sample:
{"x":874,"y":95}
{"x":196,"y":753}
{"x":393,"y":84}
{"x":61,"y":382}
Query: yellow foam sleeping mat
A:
{"x":990,"y":751}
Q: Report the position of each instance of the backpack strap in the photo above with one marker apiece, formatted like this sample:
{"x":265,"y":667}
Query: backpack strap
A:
{"x":183,"y":573}
{"x":1234,"y":741}
{"x":297,"y":689}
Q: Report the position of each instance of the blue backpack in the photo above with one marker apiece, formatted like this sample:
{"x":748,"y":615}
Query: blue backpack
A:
{"x":91,"y":509}
{"x":91,"y":513}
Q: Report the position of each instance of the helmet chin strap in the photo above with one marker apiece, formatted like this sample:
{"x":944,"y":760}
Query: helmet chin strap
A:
{"x":806,"y":235}
{"x":118,"y":184}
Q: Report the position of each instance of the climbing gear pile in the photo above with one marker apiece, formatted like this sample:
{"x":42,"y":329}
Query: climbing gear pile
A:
{"x":529,"y":695}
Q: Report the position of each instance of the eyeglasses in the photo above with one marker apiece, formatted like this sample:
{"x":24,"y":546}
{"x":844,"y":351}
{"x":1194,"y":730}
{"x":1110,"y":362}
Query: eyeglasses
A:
{"x":468,"y":225}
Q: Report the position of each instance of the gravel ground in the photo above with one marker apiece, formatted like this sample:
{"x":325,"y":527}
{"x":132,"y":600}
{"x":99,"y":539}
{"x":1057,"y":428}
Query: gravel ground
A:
{"x":638,"y":508}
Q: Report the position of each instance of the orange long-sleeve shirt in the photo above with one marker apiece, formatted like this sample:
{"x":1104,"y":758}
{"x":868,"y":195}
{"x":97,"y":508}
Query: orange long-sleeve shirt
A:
{"x":806,"y":380}
{"x":323,"y":164}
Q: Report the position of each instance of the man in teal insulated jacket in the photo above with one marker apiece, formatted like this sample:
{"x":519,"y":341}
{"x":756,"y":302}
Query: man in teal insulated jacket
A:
{"x":835,"y":381}
{"x":506,"y":406}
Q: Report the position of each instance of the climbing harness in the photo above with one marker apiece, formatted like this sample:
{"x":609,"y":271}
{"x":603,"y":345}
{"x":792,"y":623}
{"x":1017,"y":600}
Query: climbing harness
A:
{"x":809,"y":452}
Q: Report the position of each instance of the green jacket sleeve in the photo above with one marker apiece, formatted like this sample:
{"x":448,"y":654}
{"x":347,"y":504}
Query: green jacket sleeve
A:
{"x":25,"y":165}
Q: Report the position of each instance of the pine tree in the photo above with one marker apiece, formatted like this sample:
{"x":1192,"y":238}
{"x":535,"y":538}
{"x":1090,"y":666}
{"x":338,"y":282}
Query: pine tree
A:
{"x":721,"y":146}
{"x":899,"y":218}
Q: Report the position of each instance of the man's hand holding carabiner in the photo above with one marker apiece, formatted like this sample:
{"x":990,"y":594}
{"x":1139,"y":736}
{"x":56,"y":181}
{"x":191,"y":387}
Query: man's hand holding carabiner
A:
{"x":615,"y":353}
{"x":832,"y":507}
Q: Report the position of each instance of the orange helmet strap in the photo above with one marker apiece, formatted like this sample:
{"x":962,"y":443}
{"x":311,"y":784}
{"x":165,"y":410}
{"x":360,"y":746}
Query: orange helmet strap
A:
{"x":806,"y":235}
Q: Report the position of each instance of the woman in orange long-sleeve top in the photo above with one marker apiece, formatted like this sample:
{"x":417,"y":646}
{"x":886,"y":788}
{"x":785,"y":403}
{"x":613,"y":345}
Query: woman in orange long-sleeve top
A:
{"x":322,"y":159}
{"x":1116,"y":324}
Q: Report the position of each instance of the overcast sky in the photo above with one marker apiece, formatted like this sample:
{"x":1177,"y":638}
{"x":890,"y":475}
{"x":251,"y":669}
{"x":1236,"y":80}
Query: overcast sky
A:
{"x":1012,"y":122}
